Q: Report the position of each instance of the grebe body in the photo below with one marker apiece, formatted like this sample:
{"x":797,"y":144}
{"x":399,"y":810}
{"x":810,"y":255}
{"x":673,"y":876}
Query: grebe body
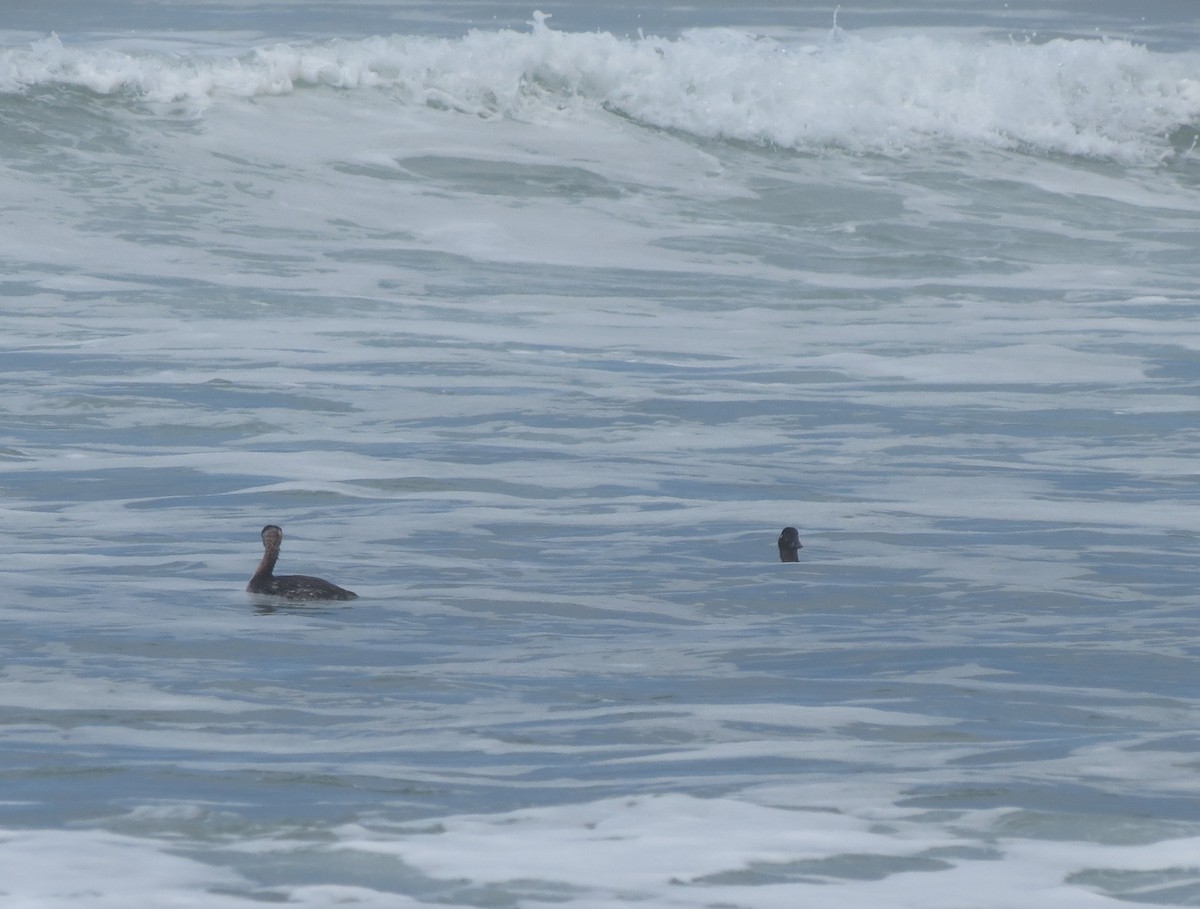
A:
{"x":290,"y":586}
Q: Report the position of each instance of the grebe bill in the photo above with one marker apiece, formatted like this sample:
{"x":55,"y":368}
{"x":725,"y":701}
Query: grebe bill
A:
{"x":291,"y":586}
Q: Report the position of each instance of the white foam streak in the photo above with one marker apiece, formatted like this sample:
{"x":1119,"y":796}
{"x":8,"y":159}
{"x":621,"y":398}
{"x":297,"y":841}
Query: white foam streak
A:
{"x":52,"y":868}
{"x":663,"y":849}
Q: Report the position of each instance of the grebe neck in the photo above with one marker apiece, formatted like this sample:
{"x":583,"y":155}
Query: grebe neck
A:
{"x":272,"y":536}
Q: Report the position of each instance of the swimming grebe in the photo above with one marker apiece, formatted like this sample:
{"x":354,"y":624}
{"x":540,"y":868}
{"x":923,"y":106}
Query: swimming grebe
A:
{"x":292,"y":586}
{"x":790,"y":545}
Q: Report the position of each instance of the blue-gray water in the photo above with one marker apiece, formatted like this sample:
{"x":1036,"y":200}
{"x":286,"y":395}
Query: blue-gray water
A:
{"x":534,"y":332}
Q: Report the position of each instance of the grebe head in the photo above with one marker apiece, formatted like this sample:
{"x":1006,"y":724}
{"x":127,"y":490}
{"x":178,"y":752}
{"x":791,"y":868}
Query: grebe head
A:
{"x":272,"y":535}
{"x":789,"y":545}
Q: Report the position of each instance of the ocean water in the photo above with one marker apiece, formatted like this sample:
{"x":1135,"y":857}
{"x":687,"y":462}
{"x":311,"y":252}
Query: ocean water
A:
{"x":534,"y":327}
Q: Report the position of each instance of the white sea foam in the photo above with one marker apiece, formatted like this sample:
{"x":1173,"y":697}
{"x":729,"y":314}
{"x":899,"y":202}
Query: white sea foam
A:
{"x":1097,"y":98}
{"x":61,"y":868}
{"x":663,"y":850}
{"x":654,"y":850}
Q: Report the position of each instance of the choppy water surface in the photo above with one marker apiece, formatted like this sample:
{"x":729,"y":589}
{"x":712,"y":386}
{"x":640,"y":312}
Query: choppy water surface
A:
{"x":534,"y":332}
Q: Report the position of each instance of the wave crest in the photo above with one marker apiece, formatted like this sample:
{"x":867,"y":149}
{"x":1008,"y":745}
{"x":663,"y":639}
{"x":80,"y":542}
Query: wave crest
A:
{"x":1091,"y":97}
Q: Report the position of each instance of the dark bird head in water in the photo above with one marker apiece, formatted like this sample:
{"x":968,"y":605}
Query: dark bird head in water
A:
{"x":789,"y":545}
